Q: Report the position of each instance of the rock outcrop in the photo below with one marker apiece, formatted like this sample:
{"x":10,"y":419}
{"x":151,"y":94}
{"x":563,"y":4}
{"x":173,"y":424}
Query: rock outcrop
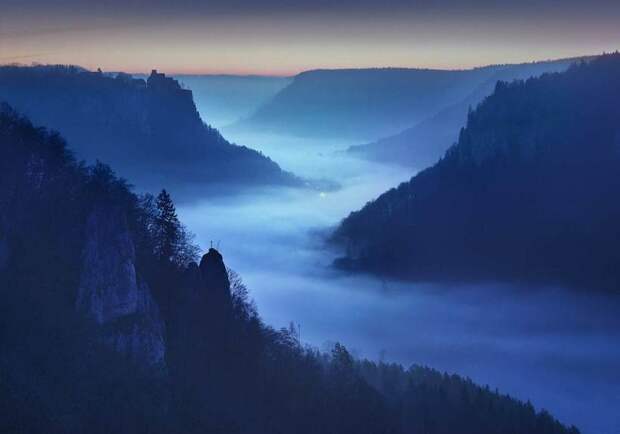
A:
{"x":215,"y":281}
{"x":205,"y":303}
{"x":200,"y":321}
{"x":112,"y":293}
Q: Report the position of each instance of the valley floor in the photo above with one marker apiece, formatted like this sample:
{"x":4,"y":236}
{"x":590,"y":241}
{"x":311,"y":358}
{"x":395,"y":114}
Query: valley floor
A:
{"x":547,"y":345}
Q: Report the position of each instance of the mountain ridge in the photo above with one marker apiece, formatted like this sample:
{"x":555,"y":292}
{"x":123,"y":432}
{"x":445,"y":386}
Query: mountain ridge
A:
{"x":366,"y":103}
{"x":156,"y":131}
{"x":424,"y":143}
{"x":504,"y":202}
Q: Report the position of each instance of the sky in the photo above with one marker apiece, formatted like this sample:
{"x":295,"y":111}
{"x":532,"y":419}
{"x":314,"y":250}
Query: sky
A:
{"x":284,"y":37}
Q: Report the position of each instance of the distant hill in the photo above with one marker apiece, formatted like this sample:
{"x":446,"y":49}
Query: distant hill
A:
{"x":423,"y":144}
{"x":361,"y":103}
{"x":365,"y":104}
{"x":529,"y":192}
{"x":225,"y":99}
{"x":149,"y":129}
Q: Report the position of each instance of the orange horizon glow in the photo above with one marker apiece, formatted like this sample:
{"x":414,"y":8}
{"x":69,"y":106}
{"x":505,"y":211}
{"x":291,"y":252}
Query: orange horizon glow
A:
{"x":243,"y":41}
{"x":262,"y":72}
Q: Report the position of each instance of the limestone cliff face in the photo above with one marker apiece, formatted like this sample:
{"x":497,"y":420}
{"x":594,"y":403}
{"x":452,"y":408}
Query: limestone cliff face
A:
{"x":113,"y":295}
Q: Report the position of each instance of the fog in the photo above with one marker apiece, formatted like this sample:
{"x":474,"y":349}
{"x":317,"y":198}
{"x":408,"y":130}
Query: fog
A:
{"x":224,"y":99}
{"x":552,"y":346}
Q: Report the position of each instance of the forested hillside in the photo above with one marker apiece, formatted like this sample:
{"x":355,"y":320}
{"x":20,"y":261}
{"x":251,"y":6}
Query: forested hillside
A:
{"x":529,"y":192}
{"x":148,"y":129}
{"x":361,"y":104}
{"x":370,"y":104}
{"x":108,"y":324}
{"x":424,"y":143}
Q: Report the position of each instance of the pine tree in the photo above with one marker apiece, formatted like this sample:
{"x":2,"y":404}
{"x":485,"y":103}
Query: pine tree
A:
{"x":168,"y":227}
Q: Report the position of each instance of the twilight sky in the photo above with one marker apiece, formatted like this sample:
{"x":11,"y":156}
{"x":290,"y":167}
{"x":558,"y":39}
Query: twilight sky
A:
{"x":287,"y":36}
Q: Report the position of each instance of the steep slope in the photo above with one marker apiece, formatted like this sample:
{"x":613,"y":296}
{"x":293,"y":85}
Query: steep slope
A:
{"x":111,"y":292}
{"x":87,"y":289}
{"x":362,"y":103}
{"x":149,"y":129}
{"x":423,"y":144}
{"x":528,"y":192}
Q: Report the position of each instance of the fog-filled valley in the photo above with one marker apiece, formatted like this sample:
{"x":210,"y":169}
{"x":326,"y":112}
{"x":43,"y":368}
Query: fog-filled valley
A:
{"x":224,"y":99}
{"x":256,"y":268}
{"x":546,"y":344}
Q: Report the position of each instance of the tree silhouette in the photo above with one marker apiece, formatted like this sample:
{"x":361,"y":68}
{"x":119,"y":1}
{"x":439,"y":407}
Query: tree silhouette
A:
{"x":168,"y":228}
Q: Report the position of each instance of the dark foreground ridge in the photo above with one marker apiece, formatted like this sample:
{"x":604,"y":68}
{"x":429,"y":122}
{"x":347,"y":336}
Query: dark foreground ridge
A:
{"x":528,"y":193}
{"x":109,"y":325}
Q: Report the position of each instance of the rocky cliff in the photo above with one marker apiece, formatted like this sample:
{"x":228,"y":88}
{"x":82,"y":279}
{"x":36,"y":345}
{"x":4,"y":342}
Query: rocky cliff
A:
{"x":113,"y":294}
{"x":149,"y":129}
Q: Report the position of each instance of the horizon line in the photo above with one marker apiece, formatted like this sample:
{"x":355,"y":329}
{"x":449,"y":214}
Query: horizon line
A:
{"x":291,"y":74}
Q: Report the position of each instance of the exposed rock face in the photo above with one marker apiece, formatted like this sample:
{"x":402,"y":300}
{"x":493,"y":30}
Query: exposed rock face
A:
{"x":108,"y":284}
{"x":141,"y":335}
{"x":112,"y":294}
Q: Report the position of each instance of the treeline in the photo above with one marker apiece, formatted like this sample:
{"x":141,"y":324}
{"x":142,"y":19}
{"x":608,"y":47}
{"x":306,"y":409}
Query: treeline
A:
{"x":527,"y":194}
{"x":225,"y":370}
